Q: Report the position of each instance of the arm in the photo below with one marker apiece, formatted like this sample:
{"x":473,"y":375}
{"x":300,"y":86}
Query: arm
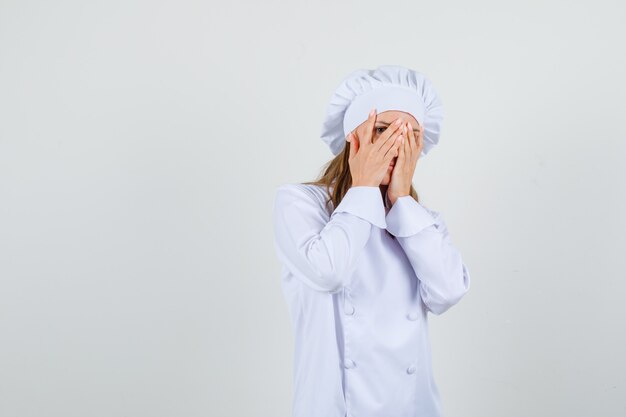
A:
{"x":319,"y":250}
{"x":423,"y":235}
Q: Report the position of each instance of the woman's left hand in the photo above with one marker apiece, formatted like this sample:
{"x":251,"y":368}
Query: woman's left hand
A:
{"x":402,"y":174}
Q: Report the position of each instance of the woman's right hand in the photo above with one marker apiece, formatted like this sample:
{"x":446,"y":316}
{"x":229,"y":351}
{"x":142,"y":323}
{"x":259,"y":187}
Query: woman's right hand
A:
{"x":369,"y":161}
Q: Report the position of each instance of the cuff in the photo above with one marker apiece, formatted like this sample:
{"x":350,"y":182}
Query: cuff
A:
{"x":408,"y":217}
{"x":365,"y":202}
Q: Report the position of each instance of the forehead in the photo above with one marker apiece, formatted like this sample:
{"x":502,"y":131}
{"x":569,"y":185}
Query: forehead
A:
{"x":390,"y":115}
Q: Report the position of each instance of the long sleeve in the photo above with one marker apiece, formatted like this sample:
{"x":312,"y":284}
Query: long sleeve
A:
{"x":423,"y":235}
{"x":319,"y":249}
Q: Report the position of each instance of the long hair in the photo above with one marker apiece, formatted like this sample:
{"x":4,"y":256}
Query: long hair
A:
{"x":335,"y":176}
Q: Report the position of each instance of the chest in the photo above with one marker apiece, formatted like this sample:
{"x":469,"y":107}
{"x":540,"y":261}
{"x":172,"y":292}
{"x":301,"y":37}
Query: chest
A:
{"x":383,"y":273}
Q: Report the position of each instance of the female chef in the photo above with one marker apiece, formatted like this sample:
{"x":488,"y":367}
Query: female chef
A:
{"x":363,"y":261}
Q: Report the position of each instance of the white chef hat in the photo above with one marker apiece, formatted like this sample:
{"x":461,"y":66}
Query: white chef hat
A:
{"x":388,"y":87}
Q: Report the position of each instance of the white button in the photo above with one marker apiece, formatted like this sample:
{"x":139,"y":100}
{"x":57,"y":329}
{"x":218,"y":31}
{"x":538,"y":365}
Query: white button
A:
{"x":350,"y":309}
{"x":412,"y":315}
{"x":349,"y":363}
{"x":410,"y":369}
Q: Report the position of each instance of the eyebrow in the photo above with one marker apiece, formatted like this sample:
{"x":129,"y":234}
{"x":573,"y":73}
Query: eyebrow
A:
{"x":387,"y":124}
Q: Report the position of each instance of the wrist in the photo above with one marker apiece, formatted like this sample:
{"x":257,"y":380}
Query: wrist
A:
{"x":364,"y":184}
{"x":394,"y":197}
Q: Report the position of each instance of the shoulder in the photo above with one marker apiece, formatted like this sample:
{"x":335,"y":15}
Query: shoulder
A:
{"x":305,"y":193}
{"x":295,"y":190}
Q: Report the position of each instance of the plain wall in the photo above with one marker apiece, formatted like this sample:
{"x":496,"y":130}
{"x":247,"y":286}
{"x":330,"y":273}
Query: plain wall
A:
{"x":140,"y":146}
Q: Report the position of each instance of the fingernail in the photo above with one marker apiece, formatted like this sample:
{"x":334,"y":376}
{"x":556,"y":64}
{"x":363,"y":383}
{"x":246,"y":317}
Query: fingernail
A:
{"x":399,"y":122}
{"x":410,"y":126}
{"x":372,"y":112}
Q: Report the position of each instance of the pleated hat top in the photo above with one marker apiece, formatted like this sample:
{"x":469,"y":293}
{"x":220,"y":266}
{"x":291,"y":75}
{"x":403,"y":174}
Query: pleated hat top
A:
{"x":388,"y":87}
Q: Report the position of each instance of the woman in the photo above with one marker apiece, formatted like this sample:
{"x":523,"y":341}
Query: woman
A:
{"x":362,"y":260}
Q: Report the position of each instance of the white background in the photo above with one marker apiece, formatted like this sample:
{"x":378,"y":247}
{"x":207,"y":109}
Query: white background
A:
{"x":141,"y":144}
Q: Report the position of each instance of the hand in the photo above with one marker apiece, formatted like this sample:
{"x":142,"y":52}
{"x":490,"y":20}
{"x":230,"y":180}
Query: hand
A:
{"x":369,"y":161}
{"x":402,"y":174}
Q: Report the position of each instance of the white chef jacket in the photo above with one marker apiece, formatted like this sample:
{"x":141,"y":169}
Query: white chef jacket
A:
{"x":359,"y":281}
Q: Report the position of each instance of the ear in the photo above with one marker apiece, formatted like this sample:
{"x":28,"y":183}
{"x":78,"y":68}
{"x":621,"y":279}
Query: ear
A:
{"x":354,"y":144}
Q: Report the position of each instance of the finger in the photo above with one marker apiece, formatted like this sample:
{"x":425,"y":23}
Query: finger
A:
{"x":402,"y":151}
{"x":369,"y":128}
{"x":393,"y":150}
{"x":412,"y":135}
{"x":420,"y":140}
{"x":405,"y":146}
{"x":386,"y":139}
{"x":408,"y":150}
{"x":390,"y":142}
{"x":412,"y":142}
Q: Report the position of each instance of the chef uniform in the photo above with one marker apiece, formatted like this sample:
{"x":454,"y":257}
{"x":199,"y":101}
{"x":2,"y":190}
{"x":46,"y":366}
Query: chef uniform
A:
{"x":359,"y":279}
